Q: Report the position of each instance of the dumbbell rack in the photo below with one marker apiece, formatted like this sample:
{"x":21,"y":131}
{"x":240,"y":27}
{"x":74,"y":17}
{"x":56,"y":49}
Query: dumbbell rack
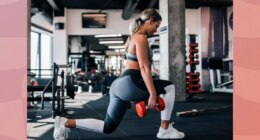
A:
{"x":192,"y":76}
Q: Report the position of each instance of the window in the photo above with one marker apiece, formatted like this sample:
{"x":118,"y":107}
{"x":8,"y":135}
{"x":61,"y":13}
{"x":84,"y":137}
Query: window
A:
{"x":41,"y":54}
{"x":34,"y":52}
{"x":46,"y":54}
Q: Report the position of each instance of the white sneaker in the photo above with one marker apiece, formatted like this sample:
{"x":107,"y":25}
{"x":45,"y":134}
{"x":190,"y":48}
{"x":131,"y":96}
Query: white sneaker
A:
{"x":61,"y":132}
{"x":172,"y":129}
{"x":56,"y":125}
{"x":170,"y":133}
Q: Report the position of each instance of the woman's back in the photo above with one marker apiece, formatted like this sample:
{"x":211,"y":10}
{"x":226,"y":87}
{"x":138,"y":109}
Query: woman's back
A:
{"x":136,"y":40}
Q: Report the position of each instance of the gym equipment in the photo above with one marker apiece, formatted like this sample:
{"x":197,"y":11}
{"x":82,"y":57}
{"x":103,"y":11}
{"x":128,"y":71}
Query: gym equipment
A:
{"x":193,"y":76}
{"x":217,"y":76}
{"x":192,"y":57}
{"x":193,"y":45}
{"x":58,"y":96}
{"x":141,"y":107}
{"x":70,"y":86}
{"x":106,"y":83}
{"x":194,"y":112}
{"x":193,"y":86}
{"x":193,"y":50}
{"x":194,"y":62}
{"x":192,"y":80}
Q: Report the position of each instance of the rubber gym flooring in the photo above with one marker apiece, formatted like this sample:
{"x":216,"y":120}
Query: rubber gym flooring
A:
{"x":213,"y":125}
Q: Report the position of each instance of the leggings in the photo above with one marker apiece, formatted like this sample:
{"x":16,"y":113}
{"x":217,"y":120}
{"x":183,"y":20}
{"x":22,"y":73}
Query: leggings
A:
{"x":129,"y":87}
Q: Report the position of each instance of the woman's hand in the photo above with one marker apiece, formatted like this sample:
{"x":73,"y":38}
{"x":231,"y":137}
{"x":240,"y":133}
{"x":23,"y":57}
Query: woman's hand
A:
{"x":152,"y":101}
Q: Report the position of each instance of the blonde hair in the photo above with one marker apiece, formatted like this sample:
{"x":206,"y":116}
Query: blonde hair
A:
{"x":146,"y":15}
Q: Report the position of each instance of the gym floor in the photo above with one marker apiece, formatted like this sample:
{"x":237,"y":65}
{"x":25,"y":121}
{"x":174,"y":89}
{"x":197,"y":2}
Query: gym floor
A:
{"x":213,"y":125}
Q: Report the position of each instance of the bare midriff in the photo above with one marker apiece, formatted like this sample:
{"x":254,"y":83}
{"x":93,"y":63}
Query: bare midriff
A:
{"x":132,"y":65}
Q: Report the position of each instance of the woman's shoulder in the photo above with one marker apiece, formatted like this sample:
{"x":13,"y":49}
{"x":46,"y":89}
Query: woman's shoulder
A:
{"x":139,"y":37}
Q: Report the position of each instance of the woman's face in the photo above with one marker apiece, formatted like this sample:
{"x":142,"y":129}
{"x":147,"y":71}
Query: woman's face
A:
{"x":152,"y":27}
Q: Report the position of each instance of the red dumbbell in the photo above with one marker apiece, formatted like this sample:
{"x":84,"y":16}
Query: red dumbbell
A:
{"x":190,"y":74}
{"x":193,"y":45}
{"x":193,"y":80}
{"x":194,"y":50}
{"x":190,"y":86}
{"x":141,"y":107}
{"x":191,"y":56}
{"x":194,"y":62}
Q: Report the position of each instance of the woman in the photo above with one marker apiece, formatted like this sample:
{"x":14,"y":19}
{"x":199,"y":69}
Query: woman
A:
{"x":134,"y":84}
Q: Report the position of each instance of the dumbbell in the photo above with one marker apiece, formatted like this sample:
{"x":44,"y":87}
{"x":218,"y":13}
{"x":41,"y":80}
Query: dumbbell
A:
{"x":191,"y":56}
{"x":194,"y":50}
{"x":141,"y":107}
{"x":190,"y":74}
{"x":194,"y":62}
{"x":190,"y":86}
{"x":193,"y":79}
{"x":193,"y":45}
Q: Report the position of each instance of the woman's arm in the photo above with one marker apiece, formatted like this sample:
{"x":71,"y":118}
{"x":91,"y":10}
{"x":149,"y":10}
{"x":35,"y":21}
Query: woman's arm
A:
{"x":141,"y":44}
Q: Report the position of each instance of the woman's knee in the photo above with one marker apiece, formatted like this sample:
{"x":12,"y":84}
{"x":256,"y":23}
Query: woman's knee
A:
{"x":115,"y":113}
{"x":109,"y":126}
{"x":170,"y":88}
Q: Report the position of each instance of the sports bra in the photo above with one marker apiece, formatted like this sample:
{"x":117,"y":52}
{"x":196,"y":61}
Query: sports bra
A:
{"x":133,"y":57}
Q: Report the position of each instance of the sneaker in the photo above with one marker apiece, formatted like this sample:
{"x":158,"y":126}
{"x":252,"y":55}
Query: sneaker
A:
{"x":56,"y":125}
{"x":61,"y":132}
{"x":170,"y":133}
{"x":172,"y":129}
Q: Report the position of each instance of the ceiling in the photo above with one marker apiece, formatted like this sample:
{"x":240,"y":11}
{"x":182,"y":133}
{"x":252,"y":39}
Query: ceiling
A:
{"x":47,"y":7}
{"x":128,"y":6}
{"x":142,"y":4}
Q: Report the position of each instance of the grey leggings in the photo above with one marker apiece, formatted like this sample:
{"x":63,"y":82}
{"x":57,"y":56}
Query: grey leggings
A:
{"x":127,"y":88}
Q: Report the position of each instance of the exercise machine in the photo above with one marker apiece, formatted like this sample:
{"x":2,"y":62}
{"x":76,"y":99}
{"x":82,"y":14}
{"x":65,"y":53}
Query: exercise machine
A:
{"x":220,"y":81}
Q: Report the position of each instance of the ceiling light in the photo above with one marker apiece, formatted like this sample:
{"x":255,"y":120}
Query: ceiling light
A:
{"x":108,"y":35}
{"x":116,"y":47}
{"x":111,"y":42}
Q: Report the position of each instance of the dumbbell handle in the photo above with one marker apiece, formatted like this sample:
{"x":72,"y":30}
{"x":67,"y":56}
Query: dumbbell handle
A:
{"x":194,"y":62}
{"x":193,"y":45}
{"x":193,"y":86}
{"x":191,"y":56}
{"x":141,"y":106}
{"x":146,"y":107}
{"x":193,"y":80}
{"x":193,"y":74}
{"x":194,"y":50}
